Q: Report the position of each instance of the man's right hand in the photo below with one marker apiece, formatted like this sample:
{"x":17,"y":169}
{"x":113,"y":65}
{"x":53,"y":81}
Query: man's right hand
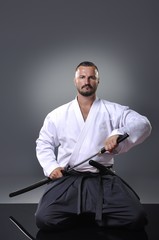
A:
{"x":56,"y":173}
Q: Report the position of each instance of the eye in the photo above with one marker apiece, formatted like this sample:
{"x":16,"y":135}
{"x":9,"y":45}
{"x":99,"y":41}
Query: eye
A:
{"x":81,"y":76}
{"x":93,"y":77}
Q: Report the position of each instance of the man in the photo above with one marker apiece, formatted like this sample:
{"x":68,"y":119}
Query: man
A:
{"x":76,"y":130}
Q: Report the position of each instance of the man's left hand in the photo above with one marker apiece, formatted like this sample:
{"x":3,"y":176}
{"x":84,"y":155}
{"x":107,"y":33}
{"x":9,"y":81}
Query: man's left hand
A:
{"x":111,"y":143}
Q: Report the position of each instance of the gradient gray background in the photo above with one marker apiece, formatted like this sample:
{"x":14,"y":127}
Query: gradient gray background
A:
{"x":41,"y":42}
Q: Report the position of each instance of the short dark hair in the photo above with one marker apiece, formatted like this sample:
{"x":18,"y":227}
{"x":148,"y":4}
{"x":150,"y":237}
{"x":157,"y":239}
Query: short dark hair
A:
{"x":87,"y":64}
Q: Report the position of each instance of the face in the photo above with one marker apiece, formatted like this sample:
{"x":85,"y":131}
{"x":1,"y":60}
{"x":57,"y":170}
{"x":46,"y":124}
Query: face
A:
{"x":86,"y":80}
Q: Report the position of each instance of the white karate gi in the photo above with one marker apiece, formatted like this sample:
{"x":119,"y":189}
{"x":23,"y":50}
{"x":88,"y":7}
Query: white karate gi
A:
{"x":64,"y":128}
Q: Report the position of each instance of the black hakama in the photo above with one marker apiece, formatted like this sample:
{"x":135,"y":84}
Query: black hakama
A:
{"x":108,"y":200}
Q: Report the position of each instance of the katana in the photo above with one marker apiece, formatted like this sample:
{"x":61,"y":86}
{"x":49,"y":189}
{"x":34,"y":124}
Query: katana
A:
{"x":68,"y":169}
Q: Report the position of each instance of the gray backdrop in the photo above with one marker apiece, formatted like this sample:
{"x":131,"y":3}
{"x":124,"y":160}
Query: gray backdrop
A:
{"x":41,"y":42}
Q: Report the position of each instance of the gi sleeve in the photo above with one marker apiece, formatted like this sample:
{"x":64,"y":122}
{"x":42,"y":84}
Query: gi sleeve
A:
{"x":136,"y":125}
{"x":46,"y":145}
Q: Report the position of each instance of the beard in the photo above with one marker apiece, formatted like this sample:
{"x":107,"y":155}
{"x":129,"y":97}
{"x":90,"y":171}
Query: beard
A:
{"x":87,"y":93}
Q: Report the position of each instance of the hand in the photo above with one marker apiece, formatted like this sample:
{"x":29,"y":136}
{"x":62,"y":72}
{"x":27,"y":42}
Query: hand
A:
{"x":111,"y":143}
{"x":56,"y":173}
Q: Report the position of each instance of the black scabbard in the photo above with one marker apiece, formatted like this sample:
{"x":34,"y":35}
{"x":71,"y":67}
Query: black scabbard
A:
{"x":31,"y":187}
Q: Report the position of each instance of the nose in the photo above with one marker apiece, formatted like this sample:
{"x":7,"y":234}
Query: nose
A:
{"x":87,"y":80}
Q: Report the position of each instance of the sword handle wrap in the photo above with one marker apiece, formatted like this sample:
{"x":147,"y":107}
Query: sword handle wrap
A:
{"x":120,"y":139}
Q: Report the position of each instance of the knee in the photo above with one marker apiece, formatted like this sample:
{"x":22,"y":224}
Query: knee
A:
{"x":44,"y":220}
{"x":56,"y":221}
{"x":139,"y":220}
{"x":134,"y":220}
{"x":41,"y":220}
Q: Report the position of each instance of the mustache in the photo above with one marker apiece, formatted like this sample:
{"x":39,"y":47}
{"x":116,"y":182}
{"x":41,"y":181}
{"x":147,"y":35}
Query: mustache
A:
{"x":86,"y":85}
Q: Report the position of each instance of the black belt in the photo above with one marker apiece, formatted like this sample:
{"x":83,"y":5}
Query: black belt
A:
{"x":98,"y":213}
{"x":84,"y":175}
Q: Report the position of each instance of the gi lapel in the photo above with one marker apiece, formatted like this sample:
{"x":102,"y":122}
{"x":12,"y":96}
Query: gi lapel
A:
{"x":85,"y":126}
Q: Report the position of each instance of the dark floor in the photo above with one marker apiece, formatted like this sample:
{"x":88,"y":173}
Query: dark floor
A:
{"x":17,"y":221}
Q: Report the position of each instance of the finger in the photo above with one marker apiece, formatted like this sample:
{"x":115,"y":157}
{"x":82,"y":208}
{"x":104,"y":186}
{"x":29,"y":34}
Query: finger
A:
{"x":110,"y":146}
{"x":53,"y":175}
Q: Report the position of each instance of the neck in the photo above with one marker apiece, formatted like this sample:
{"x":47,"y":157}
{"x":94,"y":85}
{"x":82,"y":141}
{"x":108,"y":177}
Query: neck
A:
{"x":85,"y":101}
{"x":85,"y":104}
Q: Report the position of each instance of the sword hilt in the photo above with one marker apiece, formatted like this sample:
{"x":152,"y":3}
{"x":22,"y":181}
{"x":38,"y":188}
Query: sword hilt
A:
{"x":119,"y":139}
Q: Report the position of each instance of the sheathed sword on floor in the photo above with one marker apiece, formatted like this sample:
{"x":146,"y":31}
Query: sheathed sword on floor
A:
{"x":21,"y":228}
{"x":47,"y":179}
